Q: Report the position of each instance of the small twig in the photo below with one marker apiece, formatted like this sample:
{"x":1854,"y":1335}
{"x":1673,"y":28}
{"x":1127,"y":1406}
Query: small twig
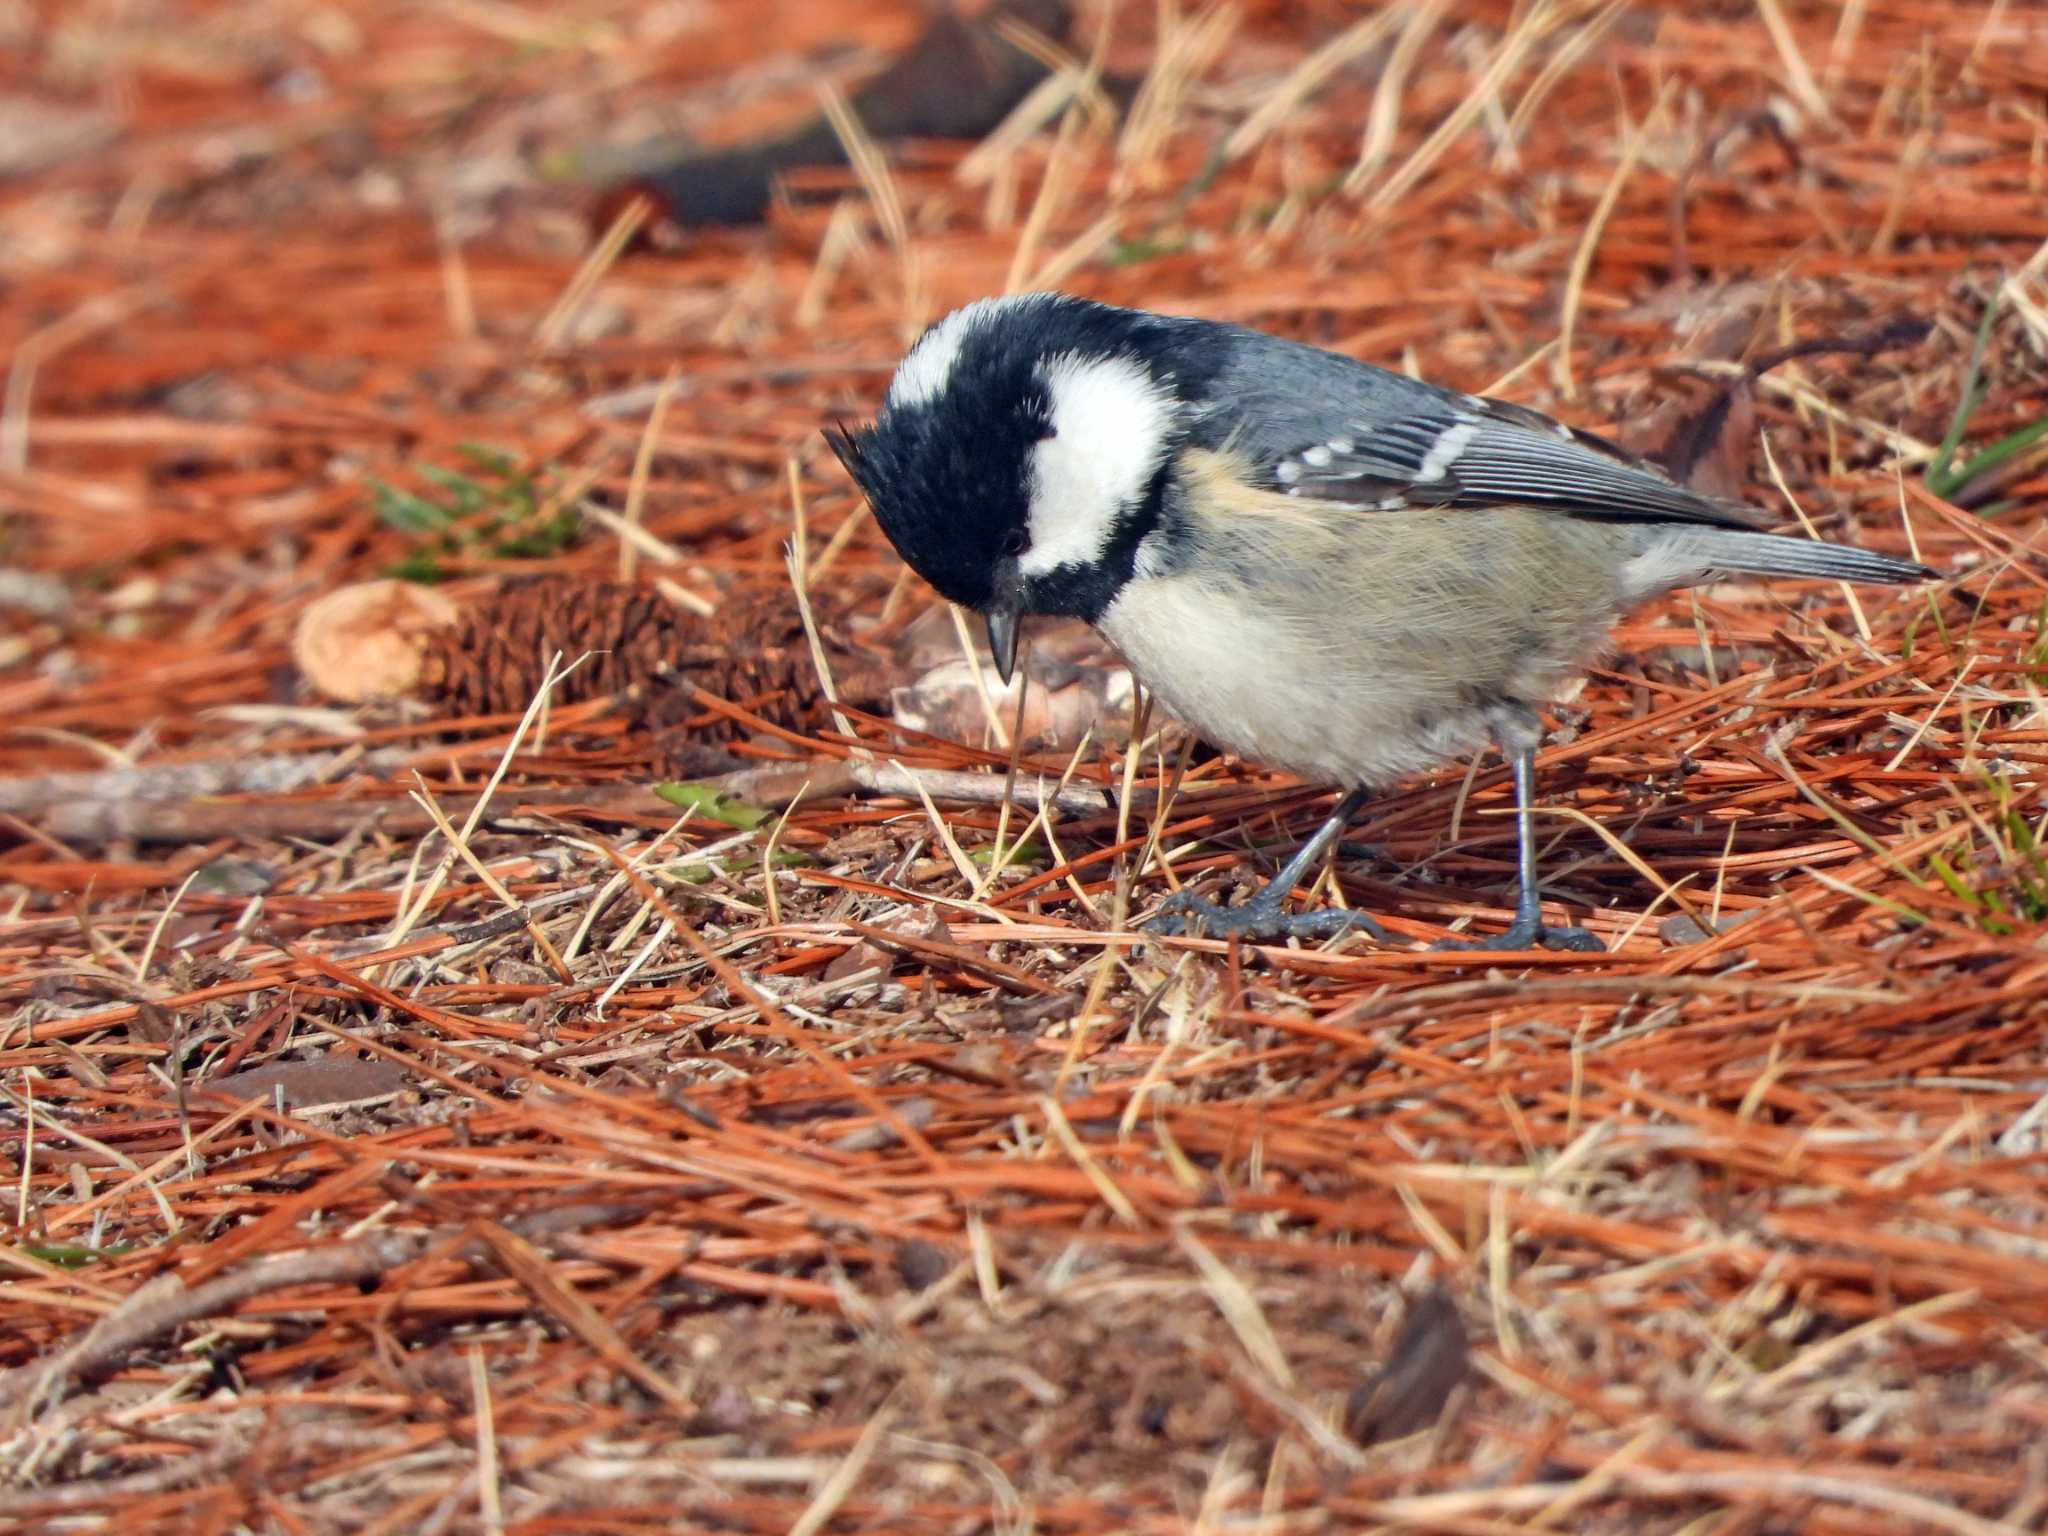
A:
{"x":274,"y":775}
{"x":167,"y":1302}
{"x":201,"y":821}
{"x":777,"y":785}
{"x":1008,"y":977}
{"x":103,"y":1493}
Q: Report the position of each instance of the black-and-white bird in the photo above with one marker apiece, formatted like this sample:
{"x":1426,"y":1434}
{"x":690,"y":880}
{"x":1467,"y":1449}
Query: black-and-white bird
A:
{"x":1312,"y":562}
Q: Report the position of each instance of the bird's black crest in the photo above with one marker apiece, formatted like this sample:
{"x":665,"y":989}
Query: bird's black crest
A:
{"x":948,"y":504}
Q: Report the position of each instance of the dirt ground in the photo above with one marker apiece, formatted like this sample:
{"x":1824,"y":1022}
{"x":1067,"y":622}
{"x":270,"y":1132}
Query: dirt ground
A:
{"x":412,"y":1123}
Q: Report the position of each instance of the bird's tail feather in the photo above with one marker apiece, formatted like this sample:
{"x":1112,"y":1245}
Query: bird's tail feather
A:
{"x":1772,"y":554}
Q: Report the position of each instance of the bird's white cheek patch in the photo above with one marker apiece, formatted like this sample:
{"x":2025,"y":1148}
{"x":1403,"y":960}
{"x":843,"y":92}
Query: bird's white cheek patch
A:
{"x":1110,"y":424}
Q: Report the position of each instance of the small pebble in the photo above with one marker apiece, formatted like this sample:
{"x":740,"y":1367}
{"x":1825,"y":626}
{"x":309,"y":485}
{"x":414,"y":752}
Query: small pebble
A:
{"x":1682,"y":928}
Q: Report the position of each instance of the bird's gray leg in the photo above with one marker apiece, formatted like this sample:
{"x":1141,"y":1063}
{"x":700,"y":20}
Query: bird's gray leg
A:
{"x":1265,"y":915}
{"x":1527,"y":930}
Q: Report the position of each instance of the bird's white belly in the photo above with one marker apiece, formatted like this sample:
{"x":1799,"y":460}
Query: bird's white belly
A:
{"x":1333,"y":706}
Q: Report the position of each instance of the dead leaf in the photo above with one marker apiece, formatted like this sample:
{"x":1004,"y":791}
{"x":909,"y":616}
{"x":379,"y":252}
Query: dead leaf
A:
{"x":312,"y":1084}
{"x":1430,"y":1359}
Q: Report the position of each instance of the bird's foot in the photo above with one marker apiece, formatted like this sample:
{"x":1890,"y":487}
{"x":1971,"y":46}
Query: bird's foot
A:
{"x":1528,"y":931}
{"x":1262,"y":919}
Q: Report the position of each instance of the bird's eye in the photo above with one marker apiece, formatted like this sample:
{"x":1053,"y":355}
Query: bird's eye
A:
{"x":1015,"y":542}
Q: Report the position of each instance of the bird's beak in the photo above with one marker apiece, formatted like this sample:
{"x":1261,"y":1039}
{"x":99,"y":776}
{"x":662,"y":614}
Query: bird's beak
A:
{"x":1003,"y":614}
{"x":1002,"y":637}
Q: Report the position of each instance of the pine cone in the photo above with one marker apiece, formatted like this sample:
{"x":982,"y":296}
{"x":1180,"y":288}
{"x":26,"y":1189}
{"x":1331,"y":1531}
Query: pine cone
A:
{"x":645,"y":650}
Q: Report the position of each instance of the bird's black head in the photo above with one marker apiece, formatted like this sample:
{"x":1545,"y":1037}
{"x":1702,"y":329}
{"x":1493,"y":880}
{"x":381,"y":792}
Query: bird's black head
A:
{"x":1023,"y":450}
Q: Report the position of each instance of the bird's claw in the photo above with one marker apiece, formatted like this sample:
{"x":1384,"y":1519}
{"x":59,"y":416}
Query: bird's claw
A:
{"x":1530,"y":935}
{"x":1258,"y":921}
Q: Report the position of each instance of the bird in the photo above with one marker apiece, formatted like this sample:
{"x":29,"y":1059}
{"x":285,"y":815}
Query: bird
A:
{"x":1313,"y":562}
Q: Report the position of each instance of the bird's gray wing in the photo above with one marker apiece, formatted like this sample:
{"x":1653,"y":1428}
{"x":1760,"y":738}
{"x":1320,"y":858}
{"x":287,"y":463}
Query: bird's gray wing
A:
{"x":1323,"y":426}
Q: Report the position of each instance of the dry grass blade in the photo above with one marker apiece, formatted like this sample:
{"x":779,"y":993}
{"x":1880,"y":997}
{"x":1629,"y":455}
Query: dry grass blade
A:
{"x":1589,"y":242}
{"x":458,"y":845}
{"x":833,"y":1491}
{"x":1063,"y":1132}
{"x":1052,"y":191}
{"x":555,"y":324}
{"x":531,"y":1269}
{"x":1805,"y":89}
{"x":643,"y":465}
{"x":1188,"y":47}
{"x":1240,"y":1309}
{"x":875,"y":179}
{"x":1417,"y":26}
{"x":1529,"y":30}
{"x":1308,"y":77}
